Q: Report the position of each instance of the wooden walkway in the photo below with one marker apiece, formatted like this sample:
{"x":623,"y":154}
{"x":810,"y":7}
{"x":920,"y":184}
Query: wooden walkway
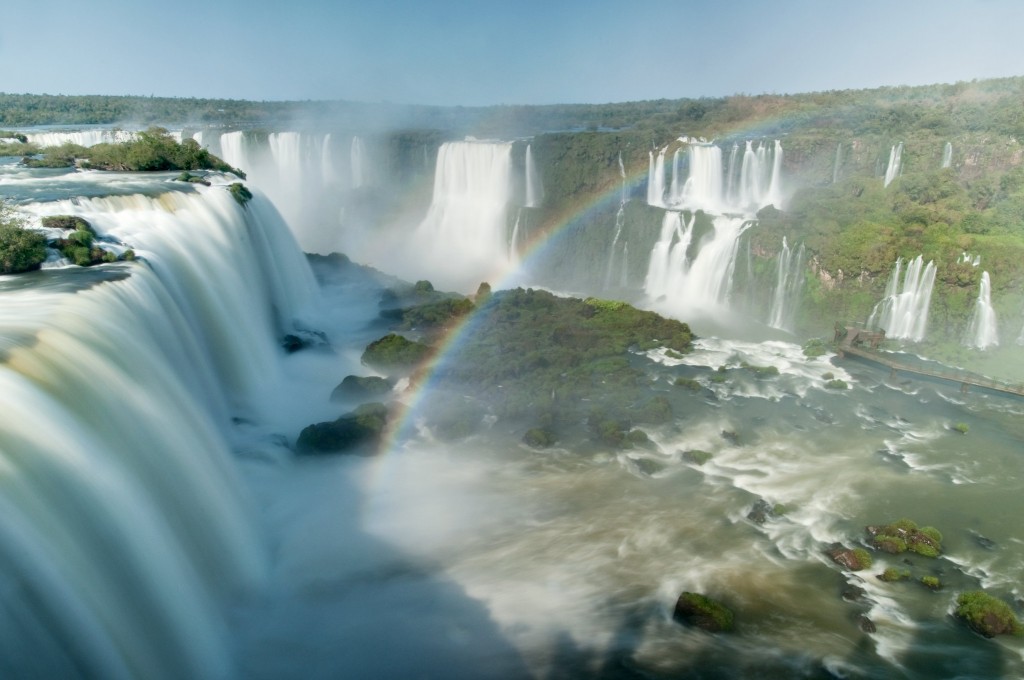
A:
{"x":850,"y":340}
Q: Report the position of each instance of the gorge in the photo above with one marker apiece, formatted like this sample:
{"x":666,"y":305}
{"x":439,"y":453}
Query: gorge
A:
{"x":159,"y":522}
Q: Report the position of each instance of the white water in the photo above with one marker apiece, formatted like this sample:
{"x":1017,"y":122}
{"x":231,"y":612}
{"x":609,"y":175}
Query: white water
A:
{"x":681,"y":287}
{"x":126,"y":531}
{"x":789,"y":282}
{"x":903,"y":312}
{"x":534,"y":187}
{"x":708,"y":185}
{"x":80,"y":137}
{"x":893,"y":169}
{"x":620,"y":221}
{"x":463,"y":240}
{"x":306,"y":176}
{"x":947,"y":155}
{"x":702,"y":285}
{"x":983,"y":333}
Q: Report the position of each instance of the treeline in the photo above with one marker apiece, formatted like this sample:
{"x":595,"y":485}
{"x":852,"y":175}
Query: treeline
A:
{"x":977,"y":106}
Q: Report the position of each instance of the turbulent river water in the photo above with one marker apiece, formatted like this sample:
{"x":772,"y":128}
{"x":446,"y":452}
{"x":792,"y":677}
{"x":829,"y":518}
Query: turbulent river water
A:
{"x":478,"y":558}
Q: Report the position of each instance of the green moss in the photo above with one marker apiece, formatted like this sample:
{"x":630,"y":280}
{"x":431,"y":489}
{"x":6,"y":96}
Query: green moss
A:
{"x":986,"y":614}
{"x":394,"y":354}
{"x":761,"y":371}
{"x":21,"y":249}
{"x":890,"y":544}
{"x":539,"y":438}
{"x":703,"y":612}
{"x":240,"y":193}
{"x":66,"y":222}
{"x":931,"y":582}
{"x":892,"y":574}
{"x":689,"y":383}
{"x":863,"y":558}
{"x":904,"y":535}
{"x":356,"y":431}
{"x":696,"y":456}
{"x":962,"y":428}
{"x":815,"y":347}
{"x":836,"y":384}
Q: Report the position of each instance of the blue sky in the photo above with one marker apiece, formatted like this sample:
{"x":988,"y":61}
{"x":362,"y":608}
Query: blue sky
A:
{"x":480,"y":52}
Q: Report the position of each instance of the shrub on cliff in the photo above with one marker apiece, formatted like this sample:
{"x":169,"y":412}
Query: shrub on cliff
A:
{"x":986,"y":615}
{"x":21,"y":249}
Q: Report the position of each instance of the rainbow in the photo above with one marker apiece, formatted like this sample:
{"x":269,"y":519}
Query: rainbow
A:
{"x":404,"y":421}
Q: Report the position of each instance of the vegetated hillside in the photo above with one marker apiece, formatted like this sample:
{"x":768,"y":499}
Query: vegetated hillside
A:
{"x":837,"y":147}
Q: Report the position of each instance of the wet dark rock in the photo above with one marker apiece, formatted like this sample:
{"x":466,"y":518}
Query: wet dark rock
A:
{"x":700,"y":611}
{"x":356,"y":388}
{"x":647,"y":466}
{"x":852,"y":593}
{"x":304,"y":339}
{"x":761,"y":512}
{"x":866,"y":624}
{"x":731,"y":437}
{"x":358,"y":431}
{"x":853,"y":559}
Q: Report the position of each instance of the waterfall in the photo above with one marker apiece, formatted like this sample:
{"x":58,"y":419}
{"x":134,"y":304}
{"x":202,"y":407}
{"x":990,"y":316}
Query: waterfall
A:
{"x":126,"y":532}
{"x":903,"y":312}
{"x":894,"y":169}
{"x":789,"y":282}
{"x":358,"y":162}
{"x":513,"y":244}
{"x":838,"y":161}
{"x":983,"y":332}
{"x":620,"y":221}
{"x":534,"y":188}
{"x":656,"y":179}
{"x":463,"y":238}
{"x":947,"y":155}
{"x":731,"y":196}
{"x":298,"y":172}
{"x":80,"y":137}
{"x":680,"y":287}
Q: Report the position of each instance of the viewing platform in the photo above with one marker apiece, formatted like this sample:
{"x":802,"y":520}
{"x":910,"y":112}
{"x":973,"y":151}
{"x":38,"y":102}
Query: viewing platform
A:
{"x":859,"y":341}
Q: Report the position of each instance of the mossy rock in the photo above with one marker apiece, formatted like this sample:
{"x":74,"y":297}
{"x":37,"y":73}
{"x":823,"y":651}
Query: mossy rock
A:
{"x":931,"y":582}
{"x":354,"y":388}
{"x":655,"y":411}
{"x":394,"y":354}
{"x":836,"y":384}
{"x":67,"y":222}
{"x":855,"y":559}
{"x":986,"y":615}
{"x":904,"y":535}
{"x":639,"y":439}
{"x":690,"y":384}
{"x":761,"y":372}
{"x":539,"y":438}
{"x":700,"y":611}
{"x":240,"y":193}
{"x":815,"y":347}
{"x":358,"y":431}
{"x":697,"y":456}
{"x":892,"y":574}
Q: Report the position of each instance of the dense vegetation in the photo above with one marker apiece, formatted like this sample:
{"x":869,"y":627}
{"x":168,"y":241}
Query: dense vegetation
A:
{"x":151,"y":150}
{"x":21,"y":249}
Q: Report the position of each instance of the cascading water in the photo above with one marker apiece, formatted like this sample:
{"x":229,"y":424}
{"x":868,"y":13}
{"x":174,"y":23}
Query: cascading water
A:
{"x":620,"y":221}
{"x":983,"y":333}
{"x":534,"y":188}
{"x":358,"y":160}
{"x":732,"y":196}
{"x":304,"y":176}
{"x":903,"y":312}
{"x":656,"y":179}
{"x":463,"y":239}
{"x":126,"y":531}
{"x":80,"y":137}
{"x":894,"y":168}
{"x":789,"y":282}
{"x":947,"y":155}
